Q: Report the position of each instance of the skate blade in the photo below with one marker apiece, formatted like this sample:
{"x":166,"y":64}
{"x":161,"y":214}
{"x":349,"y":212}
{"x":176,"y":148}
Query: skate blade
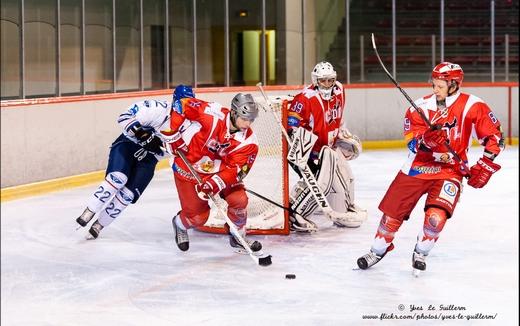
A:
{"x":244,"y":252}
{"x":89,"y":237}
{"x":416,"y":272}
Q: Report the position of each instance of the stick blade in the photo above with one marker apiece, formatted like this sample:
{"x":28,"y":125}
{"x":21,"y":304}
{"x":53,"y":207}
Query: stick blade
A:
{"x":265,"y":261}
{"x":259,"y":84}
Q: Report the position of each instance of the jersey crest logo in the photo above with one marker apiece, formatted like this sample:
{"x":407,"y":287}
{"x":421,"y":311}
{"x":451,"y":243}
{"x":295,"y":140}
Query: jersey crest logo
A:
{"x":333,"y":114}
{"x":215,"y":147}
{"x":207,"y":166}
{"x":451,"y":128}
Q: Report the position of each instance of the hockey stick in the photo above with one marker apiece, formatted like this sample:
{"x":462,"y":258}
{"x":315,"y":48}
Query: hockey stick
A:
{"x":465,"y":170}
{"x":306,"y":172}
{"x":269,"y":200}
{"x":262,"y":261}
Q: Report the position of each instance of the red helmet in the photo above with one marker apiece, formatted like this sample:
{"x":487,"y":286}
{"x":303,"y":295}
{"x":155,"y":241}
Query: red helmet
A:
{"x":449,"y":72}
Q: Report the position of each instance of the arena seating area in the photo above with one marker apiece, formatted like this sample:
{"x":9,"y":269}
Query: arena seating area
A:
{"x":467,"y":38}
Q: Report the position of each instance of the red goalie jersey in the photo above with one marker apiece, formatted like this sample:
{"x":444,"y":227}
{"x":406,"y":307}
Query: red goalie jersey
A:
{"x":323,"y":117}
{"x":464,"y":115}
{"x":212,"y":149}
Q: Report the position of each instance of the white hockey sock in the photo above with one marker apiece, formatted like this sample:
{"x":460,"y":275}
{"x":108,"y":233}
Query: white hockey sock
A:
{"x":424,"y":244}
{"x":179,"y":223}
{"x":380,"y":246}
{"x":120,"y":202}
{"x":106,"y":191}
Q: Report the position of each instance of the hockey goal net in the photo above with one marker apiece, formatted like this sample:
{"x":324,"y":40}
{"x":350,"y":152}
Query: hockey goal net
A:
{"x":268,"y":177}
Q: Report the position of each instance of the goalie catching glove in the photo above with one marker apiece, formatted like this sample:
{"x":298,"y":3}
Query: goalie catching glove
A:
{"x":349,"y":145}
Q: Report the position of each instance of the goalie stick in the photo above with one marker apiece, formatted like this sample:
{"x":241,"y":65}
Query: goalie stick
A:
{"x":262,"y":261}
{"x":465,"y":169}
{"x":269,"y":200}
{"x":306,"y":172}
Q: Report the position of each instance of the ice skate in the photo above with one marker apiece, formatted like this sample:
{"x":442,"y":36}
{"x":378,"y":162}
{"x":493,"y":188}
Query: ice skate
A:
{"x":94,"y":230}
{"x":370,"y":259}
{"x":299,"y":223}
{"x":85,"y":217}
{"x":255,"y":246}
{"x":181,"y":236}
{"x":418,"y":263}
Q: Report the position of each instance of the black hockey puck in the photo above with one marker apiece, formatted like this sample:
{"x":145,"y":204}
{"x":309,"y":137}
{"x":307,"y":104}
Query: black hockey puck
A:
{"x":290,"y":276}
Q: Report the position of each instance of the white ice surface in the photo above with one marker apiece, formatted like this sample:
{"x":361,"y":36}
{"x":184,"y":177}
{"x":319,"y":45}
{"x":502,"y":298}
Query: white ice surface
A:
{"x":135,"y":275}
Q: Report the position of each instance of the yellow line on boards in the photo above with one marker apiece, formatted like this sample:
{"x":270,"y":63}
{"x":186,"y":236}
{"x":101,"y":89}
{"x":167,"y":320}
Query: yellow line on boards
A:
{"x":43,"y":187}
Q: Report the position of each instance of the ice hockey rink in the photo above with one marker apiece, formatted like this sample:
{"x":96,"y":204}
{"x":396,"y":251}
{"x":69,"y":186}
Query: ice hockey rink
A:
{"x":135,"y":275}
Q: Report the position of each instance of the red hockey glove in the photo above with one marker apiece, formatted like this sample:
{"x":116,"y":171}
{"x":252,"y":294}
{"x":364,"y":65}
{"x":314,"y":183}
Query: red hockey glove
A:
{"x":481,"y":172}
{"x":434,"y":137}
{"x":175,"y":141}
{"x":206,"y":189}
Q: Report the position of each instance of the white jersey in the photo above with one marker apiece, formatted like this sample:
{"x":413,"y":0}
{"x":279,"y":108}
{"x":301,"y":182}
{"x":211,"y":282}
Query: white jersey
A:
{"x":150,"y":114}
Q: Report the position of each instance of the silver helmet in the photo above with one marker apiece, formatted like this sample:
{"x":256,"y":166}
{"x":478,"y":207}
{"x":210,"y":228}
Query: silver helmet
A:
{"x":244,"y":106}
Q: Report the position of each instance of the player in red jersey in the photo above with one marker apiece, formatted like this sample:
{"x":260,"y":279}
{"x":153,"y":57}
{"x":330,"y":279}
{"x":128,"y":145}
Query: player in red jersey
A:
{"x":431,"y":169}
{"x":221,"y":146}
{"x":318,"y":109}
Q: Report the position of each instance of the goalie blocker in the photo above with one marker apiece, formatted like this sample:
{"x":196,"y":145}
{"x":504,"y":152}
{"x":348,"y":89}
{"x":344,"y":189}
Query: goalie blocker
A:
{"x":334,"y":177}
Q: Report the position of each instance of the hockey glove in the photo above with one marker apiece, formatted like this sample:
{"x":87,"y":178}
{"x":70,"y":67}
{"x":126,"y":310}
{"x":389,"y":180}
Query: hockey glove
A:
{"x":206,"y":189}
{"x":175,"y":141}
{"x":434,"y":137}
{"x":481,"y":172}
{"x":149,"y":141}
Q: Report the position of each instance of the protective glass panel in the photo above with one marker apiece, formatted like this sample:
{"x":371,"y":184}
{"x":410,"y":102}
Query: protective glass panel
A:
{"x":70,"y":47}
{"x":40,"y":48}
{"x":10,"y":49}
{"x":127,"y":45}
{"x":154,"y":44}
{"x":181,"y":42}
{"x":98,"y":46}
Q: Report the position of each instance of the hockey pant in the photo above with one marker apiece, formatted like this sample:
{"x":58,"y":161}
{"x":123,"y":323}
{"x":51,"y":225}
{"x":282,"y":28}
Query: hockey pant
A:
{"x":335,"y":179}
{"x":195,"y":211}
{"x":130,"y":169}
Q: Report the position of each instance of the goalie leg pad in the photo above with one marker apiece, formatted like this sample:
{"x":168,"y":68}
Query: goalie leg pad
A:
{"x":341,"y":193}
{"x":302,"y":205}
{"x":299,"y":223}
{"x":302,"y":201}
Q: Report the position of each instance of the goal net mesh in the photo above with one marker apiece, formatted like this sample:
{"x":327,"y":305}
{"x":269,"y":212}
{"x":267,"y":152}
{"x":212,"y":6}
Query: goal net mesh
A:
{"x":268,"y":177}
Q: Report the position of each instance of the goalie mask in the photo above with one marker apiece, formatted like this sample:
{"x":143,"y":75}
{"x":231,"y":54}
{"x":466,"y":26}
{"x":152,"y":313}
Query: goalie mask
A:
{"x":324,"y":78}
{"x":244,"y":106}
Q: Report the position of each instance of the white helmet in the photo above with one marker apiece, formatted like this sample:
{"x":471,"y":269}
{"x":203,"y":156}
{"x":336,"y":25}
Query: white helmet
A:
{"x":323,"y":70}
